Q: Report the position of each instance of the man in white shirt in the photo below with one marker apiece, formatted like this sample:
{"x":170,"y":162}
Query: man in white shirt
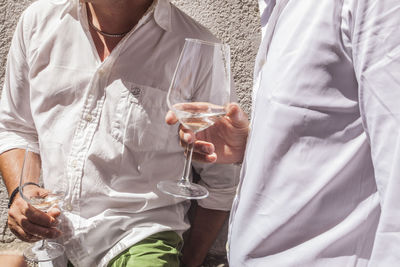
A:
{"x":93,"y":75}
{"x":320,"y":177}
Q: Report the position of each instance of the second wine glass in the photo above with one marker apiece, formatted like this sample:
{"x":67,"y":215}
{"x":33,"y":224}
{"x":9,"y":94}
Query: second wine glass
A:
{"x":198,"y":95}
{"x":33,"y":190}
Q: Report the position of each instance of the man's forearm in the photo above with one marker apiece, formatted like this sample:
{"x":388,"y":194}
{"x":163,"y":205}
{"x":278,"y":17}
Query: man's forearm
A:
{"x":10,"y":168}
{"x":206,"y":225}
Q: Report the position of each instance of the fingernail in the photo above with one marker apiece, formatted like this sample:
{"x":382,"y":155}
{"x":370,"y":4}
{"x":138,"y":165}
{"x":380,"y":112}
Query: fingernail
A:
{"x":212,"y":157}
{"x":54,"y":222}
{"x":186,"y":137}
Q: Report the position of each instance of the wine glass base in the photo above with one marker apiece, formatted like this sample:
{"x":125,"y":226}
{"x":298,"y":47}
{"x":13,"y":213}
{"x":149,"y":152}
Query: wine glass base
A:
{"x":184,"y":190}
{"x":38,"y":253}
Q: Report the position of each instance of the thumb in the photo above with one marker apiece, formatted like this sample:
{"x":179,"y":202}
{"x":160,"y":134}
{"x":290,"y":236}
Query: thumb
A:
{"x":171,"y":118}
{"x":54,"y":212}
{"x":237,"y":116}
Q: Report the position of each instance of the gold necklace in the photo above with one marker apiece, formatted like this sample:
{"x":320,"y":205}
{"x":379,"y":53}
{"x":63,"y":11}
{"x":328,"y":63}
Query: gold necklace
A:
{"x":116,"y":35}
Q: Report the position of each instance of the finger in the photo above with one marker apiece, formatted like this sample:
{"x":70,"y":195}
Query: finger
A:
{"x":20,"y":233}
{"x":238,"y":117}
{"x":186,"y":136}
{"x":205,"y":158}
{"x":33,"y":221}
{"x":21,"y":208}
{"x":54,"y":212}
{"x":38,"y":230}
{"x":27,"y":232}
{"x":23,"y":236}
{"x":39,"y":217}
{"x":203,"y":147}
{"x":170,"y":118}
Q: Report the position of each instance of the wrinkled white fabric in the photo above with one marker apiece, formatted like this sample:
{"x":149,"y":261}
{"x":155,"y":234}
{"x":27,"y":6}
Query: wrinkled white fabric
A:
{"x":320,"y":184}
{"x":109,"y":116}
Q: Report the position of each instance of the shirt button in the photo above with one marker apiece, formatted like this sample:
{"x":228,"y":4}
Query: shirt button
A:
{"x":68,"y":207}
{"x":101,"y":71}
{"x":136,"y":91}
{"x":88,"y":118}
{"x":74,"y":163}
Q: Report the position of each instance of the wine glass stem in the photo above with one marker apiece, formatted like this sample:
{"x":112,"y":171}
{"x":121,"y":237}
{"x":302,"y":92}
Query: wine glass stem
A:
{"x":186,"y":171}
{"x":44,"y":244}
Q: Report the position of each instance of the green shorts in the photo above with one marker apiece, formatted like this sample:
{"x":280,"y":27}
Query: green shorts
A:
{"x":158,"y":250}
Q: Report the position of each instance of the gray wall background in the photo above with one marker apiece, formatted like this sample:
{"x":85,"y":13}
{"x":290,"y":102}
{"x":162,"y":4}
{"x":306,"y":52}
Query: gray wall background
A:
{"x":235,"y":22}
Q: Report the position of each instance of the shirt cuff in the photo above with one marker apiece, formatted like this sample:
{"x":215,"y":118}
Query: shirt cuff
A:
{"x":10,"y":141}
{"x":218,"y":199}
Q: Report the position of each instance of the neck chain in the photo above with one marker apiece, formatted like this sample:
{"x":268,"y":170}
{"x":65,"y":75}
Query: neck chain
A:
{"x":117,"y":35}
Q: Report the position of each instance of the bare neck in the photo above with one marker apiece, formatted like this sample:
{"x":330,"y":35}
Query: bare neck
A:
{"x":113,"y":17}
{"x":117,"y":16}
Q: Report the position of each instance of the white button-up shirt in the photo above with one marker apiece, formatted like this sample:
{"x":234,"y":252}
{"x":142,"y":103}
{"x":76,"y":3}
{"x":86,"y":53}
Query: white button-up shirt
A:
{"x":110,"y":117}
{"x":320,"y":183}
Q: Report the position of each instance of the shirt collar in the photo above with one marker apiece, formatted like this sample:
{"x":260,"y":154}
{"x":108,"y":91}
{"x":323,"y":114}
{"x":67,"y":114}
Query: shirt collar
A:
{"x":162,"y":14}
{"x":266,"y":8}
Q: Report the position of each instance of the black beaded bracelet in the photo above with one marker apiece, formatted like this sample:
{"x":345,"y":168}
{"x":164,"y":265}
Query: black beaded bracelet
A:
{"x":16,"y":190}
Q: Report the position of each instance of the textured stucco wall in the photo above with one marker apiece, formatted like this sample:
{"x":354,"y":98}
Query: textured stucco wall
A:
{"x":235,"y":22}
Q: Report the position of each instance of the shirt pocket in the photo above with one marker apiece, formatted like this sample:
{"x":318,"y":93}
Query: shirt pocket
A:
{"x":140,"y":118}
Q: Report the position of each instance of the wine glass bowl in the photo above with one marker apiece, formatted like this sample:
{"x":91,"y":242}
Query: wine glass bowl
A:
{"x":46,"y":200}
{"x":198,"y":95}
{"x":198,"y":116}
{"x":33,"y":190}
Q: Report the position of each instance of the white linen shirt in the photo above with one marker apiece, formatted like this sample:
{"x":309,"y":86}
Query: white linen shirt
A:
{"x":110,"y":117}
{"x":320,"y":184}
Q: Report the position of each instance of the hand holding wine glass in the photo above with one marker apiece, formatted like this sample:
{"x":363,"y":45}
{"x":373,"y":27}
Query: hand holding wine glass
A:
{"x":224,"y":142}
{"x":40,"y":200}
{"x":198,"y":95}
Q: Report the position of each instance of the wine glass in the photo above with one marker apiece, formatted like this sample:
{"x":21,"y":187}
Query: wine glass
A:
{"x":35,"y":172}
{"x":198,"y":95}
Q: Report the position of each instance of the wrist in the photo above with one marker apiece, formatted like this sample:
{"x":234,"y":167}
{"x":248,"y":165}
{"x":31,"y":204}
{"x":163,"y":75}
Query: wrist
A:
{"x":15,"y":192}
{"x":13,"y":196}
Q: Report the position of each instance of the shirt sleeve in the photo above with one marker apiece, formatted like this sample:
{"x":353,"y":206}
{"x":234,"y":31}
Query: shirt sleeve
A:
{"x":375,"y":41}
{"x":16,"y":124}
{"x":221,"y":181}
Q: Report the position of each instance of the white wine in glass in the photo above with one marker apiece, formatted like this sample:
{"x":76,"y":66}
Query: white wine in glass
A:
{"x":33,"y":191}
{"x":198,"y":95}
{"x":198,"y":116}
